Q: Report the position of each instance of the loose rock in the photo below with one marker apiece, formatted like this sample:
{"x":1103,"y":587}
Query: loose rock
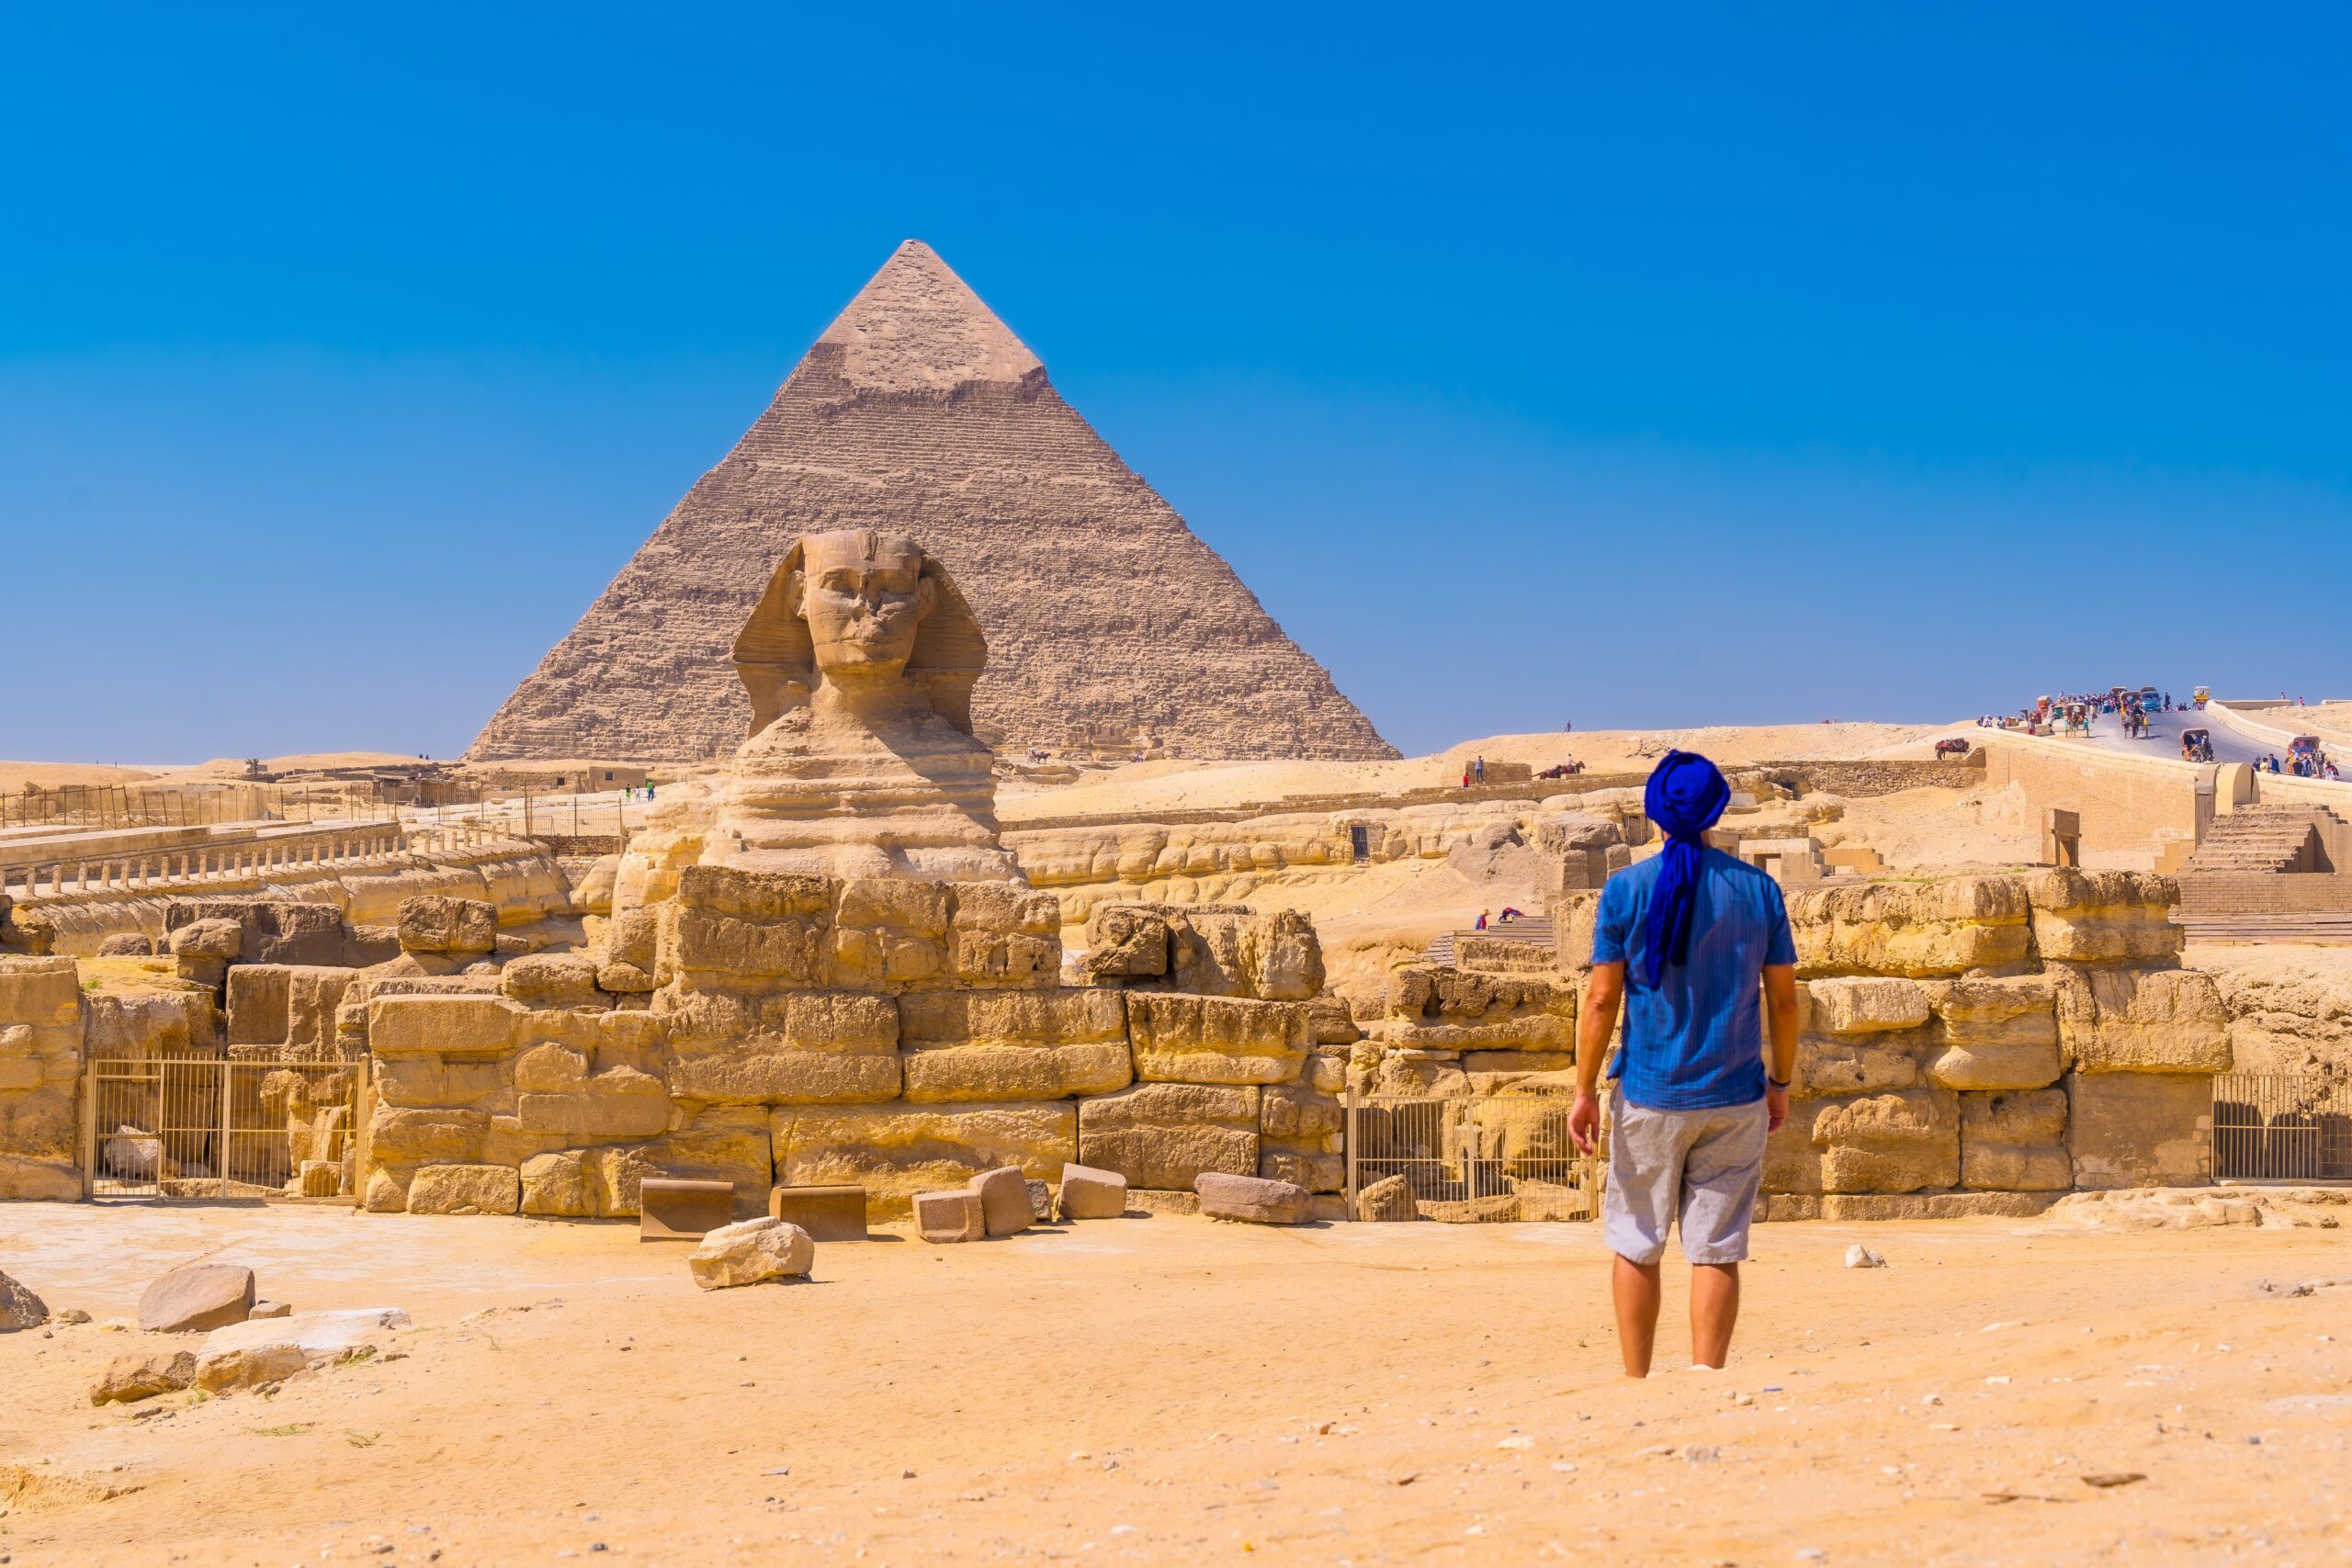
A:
{"x":1090,"y":1195}
{"x":19,"y":1308}
{"x":135,"y":1376}
{"x":197,"y":1297}
{"x":1004,"y":1199}
{"x":950,"y":1217}
{"x":1390,"y":1198}
{"x":751,"y":1252}
{"x":1861,"y":1257}
{"x":1253,"y":1198}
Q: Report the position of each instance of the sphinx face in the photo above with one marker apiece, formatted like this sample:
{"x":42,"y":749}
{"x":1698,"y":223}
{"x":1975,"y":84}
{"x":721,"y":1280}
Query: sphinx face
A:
{"x":864,"y":598}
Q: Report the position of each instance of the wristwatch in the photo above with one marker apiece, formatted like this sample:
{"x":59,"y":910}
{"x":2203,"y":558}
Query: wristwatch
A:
{"x":1776,"y":1083}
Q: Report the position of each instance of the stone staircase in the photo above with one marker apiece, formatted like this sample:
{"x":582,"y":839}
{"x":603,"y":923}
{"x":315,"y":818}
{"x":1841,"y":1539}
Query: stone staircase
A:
{"x":2271,"y":839}
{"x":2326,"y":931}
{"x":1533,"y":928}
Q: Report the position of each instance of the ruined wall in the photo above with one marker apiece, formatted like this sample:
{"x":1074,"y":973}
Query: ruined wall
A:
{"x":41,"y":1067}
{"x":759,"y":1028}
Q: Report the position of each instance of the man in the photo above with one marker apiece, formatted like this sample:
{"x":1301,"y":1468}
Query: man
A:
{"x":1682,"y":940}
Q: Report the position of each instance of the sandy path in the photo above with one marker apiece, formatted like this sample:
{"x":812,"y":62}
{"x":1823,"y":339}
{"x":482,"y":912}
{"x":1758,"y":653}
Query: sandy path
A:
{"x":1158,"y":1390}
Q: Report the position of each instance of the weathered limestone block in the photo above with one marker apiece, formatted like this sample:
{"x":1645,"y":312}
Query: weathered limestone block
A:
{"x":284,"y":1004}
{"x":1938,"y":928}
{"x":426,"y":1083}
{"x":1087,"y":1193}
{"x":464,"y":1189}
{"x":1126,"y":942}
{"x":2015,"y":1142}
{"x":45,"y":993}
{"x":125,"y":944}
{"x":142,"y":1375}
{"x":1314,"y":1169}
{"x":26,"y":1179}
{"x":2143,"y":1129}
{"x":214,"y":939}
{"x":1503,"y":955}
{"x":619,"y":1103}
{"x":1332,"y":1022}
{"x":556,"y":1185}
{"x":1280,"y":958}
{"x":552,"y":980}
{"x":631,"y":961}
{"x":455,"y":1028}
{"x":1005,"y":1209}
{"x":1216,"y":1039}
{"x":2104,"y":916}
{"x":1439,"y":1007}
{"x":1162,"y":1135}
{"x":888,"y":932}
{"x":2019,"y":1011}
{"x":1854,"y":1063}
{"x":1889,"y":1142}
{"x":1413,"y":1073}
{"x":1388,"y":1199}
{"x":1004,"y":934}
{"x":38,"y":1129}
{"x":750,"y":1252}
{"x":1327,"y":1072}
{"x":951,"y":1215}
{"x":897,"y":1151}
{"x":1254,"y":1199}
{"x":437,"y":924}
{"x":268,"y":1350}
{"x":1792,"y":1160}
{"x":1863,"y":1006}
{"x":794,"y":1047}
{"x":2143,"y":1021}
{"x":785,"y":950}
{"x":1292,"y":1112}
{"x":400,"y":1136}
{"x":196,"y":1297}
{"x":1015,"y":1045}
{"x":1995,"y":1067}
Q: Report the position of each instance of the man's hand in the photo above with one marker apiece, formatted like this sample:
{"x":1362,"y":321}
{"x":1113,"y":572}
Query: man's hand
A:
{"x":1776,"y":1109}
{"x":1584,"y":1120}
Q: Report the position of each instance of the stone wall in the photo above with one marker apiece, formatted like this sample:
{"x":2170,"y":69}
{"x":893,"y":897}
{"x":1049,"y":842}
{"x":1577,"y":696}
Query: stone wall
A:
{"x":40,"y":1070}
{"x":897,"y":1035}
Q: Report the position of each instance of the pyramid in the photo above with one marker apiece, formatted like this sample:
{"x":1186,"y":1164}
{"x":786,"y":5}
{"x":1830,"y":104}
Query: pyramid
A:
{"x":918,"y":411}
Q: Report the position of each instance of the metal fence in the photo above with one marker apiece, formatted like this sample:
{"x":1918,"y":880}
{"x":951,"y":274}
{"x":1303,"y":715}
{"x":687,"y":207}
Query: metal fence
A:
{"x":213,"y":1127}
{"x":2281,"y":1127}
{"x":1478,"y":1157}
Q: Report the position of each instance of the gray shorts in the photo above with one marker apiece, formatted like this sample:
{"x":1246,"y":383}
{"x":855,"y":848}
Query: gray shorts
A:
{"x":1700,"y":1167}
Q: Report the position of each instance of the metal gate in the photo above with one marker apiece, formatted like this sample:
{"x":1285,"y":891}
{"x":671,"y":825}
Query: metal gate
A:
{"x":213,"y":1127}
{"x":2281,"y":1127}
{"x":1480,"y":1157}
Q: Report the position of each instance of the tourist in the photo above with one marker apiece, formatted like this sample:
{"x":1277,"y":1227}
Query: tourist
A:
{"x":1510,"y":914}
{"x":1482,"y":921}
{"x":1479,"y":767}
{"x":1681,"y":940}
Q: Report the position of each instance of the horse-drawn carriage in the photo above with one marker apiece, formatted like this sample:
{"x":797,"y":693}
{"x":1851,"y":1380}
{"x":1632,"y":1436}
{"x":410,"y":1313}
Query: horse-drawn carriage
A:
{"x":2196,"y":746}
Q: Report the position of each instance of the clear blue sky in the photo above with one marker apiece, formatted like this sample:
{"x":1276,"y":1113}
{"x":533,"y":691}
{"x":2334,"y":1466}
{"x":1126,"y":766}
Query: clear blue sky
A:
{"x":1691,"y":363}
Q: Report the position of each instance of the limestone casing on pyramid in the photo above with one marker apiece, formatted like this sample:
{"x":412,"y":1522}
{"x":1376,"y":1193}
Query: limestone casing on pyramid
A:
{"x":920,"y":412}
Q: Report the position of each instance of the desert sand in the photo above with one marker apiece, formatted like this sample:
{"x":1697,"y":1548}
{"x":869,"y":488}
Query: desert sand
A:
{"x":1166,"y":1389}
{"x":17,"y":776}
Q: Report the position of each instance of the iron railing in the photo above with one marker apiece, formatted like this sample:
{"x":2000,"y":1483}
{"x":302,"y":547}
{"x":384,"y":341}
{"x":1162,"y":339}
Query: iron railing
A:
{"x":217,"y":1127}
{"x":2281,"y":1127}
{"x":1474,"y":1158}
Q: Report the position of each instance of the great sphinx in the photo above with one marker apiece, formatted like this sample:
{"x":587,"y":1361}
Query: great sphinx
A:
{"x":859,"y":662}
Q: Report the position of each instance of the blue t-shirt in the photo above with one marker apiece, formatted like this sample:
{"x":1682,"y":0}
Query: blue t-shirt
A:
{"x":1696,"y":1042}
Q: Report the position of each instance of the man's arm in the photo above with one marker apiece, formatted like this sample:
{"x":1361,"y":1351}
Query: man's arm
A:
{"x":1781,"y":1056}
{"x":1603,"y":994}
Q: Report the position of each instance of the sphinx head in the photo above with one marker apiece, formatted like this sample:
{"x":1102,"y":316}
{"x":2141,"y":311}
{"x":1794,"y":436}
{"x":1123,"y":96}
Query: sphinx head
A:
{"x":868,"y":617}
{"x":865,"y":597}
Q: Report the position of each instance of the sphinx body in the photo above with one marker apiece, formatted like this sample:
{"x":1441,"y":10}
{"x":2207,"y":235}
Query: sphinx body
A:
{"x":859,"y":662}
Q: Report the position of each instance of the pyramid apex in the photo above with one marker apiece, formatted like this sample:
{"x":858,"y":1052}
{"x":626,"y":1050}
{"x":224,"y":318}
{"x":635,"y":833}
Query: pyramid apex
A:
{"x":917,"y":327}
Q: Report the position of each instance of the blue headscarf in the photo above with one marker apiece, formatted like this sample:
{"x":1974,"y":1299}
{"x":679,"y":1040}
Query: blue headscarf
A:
{"x":1685,"y":795}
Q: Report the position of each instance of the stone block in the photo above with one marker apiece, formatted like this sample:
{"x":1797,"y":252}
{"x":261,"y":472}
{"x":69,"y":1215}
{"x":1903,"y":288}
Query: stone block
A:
{"x":320,"y":1178}
{"x":1331,"y":1023}
{"x":682,"y":1209}
{"x":556,"y":1186}
{"x":752,"y":1252}
{"x":1388,"y":1199}
{"x":1854,"y":1063}
{"x":455,"y":1028}
{"x":142,"y":1375}
{"x":2016,"y":1011}
{"x":1254,"y":1199}
{"x":196,"y":1297}
{"x":1913,"y":930}
{"x":827,"y":1214}
{"x":552,"y":980}
{"x":1290,"y":1111}
{"x":1004,"y":1200}
{"x":1995,"y":1067}
{"x":2014,"y":1140}
{"x":428,"y":1083}
{"x":1163,"y":1135}
{"x":786,"y":951}
{"x":948,"y":1217}
{"x":632,"y":959}
{"x":2104,"y":916}
{"x":1864,"y":1006}
{"x":398,"y":1136}
{"x":435,"y":923}
{"x":43,"y":992}
{"x":464,"y":1189}
{"x":1126,"y":942}
{"x":801,"y":1047}
{"x":756,"y":894}
{"x":1314,"y":1170}
{"x":219,"y":939}
{"x":2143,"y":1021}
{"x":2140,"y":1129}
{"x":1440,"y":1006}
{"x":896,"y":1151}
{"x":1004,"y":934}
{"x":1087,"y":1193}
{"x":1889,"y":1142}
{"x":1216,"y":1039}
{"x":617,"y":1103}
{"x":1015,"y":1045}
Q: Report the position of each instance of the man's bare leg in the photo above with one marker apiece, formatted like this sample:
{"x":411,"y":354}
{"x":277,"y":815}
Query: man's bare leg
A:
{"x":1714,"y":1309}
{"x":1635,"y":1288}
